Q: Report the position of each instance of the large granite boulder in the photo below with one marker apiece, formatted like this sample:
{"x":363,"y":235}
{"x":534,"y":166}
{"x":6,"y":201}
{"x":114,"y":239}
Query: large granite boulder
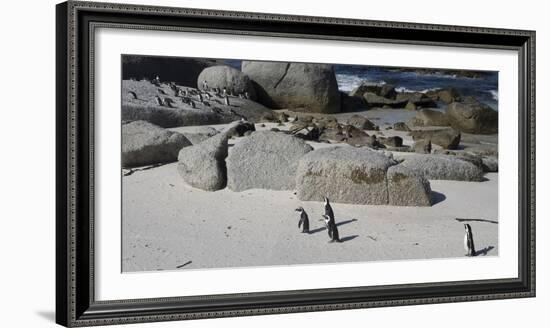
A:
{"x":352,"y":103}
{"x":473,"y":117}
{"x":407,"y":187}
{"x":203,"y":165}
{"x":446,"y":138}
{"x":199,"y":133}
{"x":265,"y":160}
{"x":443,"y":167}
{"x":344,"y":175}
{"x":175,"y":112}
{"x":222,"y":76}
{"x":382,"y":90}
{"x":429,"y":117}
{"x":296,"y":86}
{"x":144,"y":143}
{"x":448,"y":95}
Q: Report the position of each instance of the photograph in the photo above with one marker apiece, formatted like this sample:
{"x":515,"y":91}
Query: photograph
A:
{"x":229,"y":163}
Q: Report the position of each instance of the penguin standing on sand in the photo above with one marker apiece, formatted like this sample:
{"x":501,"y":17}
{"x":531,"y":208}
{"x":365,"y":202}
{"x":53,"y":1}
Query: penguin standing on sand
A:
{"x":328,"y":209}
{"x":469,"y":241}
{"x":330,"y":222}
{"x":205,"y":85}
{"x":332,"y":229}
{"x":304,"y":220}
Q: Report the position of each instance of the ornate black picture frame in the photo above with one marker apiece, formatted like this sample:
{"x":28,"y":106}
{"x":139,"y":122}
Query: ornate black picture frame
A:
{"x":75,"y":301}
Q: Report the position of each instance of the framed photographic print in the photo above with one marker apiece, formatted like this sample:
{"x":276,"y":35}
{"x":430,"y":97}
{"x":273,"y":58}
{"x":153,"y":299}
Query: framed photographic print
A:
{"x":214,"y":163}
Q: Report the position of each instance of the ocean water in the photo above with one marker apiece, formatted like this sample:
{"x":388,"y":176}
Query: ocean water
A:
{"x":484,"y":89}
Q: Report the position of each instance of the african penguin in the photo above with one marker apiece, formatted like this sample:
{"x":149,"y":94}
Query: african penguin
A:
{"x":246,"y":95}
{"x":328,"y":209}
{"x":205,"y":85}
{"x":469,"y":241}
{"x":332,"y":229}
{"x":169,"y":102}
{"x":156,"y":81}
{"x":224,"y":92}
{"x":304,"y":220}
{"x":159,"y":101}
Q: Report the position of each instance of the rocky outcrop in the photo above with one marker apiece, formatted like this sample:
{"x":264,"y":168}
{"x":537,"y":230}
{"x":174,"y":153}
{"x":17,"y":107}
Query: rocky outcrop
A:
{"x":401,"y":126}
{"x":344,"y":175}
{"x":266,"y":160}
{"x":448,"y":95}
{"x":222,"y":76}
{"x":203,"y":165}
{"x":407,"y":187}
{"x":239,"y":129}
{"x":374,"y":100}
{"x":416,"y":100}
{"x":473,"y":117}
{"x":178,"y":111}
{"x":443,"y":167}
{"x":446,"y":138}
{"x":362,"y":123}
{"x":429,"y":117}
{"x":394,"y":142}
{"x":382,"y":90}
{"x":144,"y":143}
{"x":297,"y":86}
{"x":352,"y":103}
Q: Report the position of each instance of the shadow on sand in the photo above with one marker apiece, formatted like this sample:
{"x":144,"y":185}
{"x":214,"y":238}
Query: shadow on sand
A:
{"x":484,"y":251}
{"x":476,"y":220}
{"x":337,"y":224}
{"x":437,"y":197}
{"x":348,"y":238}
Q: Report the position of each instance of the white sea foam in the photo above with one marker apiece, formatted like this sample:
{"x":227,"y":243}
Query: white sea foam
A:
{"x":403,"y":89}
{"x":347,"y":82}
{"x":494,"y":93}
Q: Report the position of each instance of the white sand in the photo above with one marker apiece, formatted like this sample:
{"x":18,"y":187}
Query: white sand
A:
{"x":167,"y":223}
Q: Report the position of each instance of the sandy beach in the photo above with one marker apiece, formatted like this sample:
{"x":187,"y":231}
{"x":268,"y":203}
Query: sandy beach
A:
{"x":204,"y":229}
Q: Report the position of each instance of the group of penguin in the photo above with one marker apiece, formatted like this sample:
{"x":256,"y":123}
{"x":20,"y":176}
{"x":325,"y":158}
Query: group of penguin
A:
{"x":203,"y":96}
{"x":330,"y":222}
{"x":332,"y":228}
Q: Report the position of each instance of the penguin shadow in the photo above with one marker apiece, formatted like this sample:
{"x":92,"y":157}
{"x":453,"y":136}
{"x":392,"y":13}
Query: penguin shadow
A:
{"x":484,"y":251}
{"x":348,"y":238}
{"x":337,"y":224}
{"x":437,"y":197}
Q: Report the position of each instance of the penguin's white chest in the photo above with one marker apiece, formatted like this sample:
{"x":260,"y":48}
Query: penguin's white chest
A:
{"x":466,"y":242}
